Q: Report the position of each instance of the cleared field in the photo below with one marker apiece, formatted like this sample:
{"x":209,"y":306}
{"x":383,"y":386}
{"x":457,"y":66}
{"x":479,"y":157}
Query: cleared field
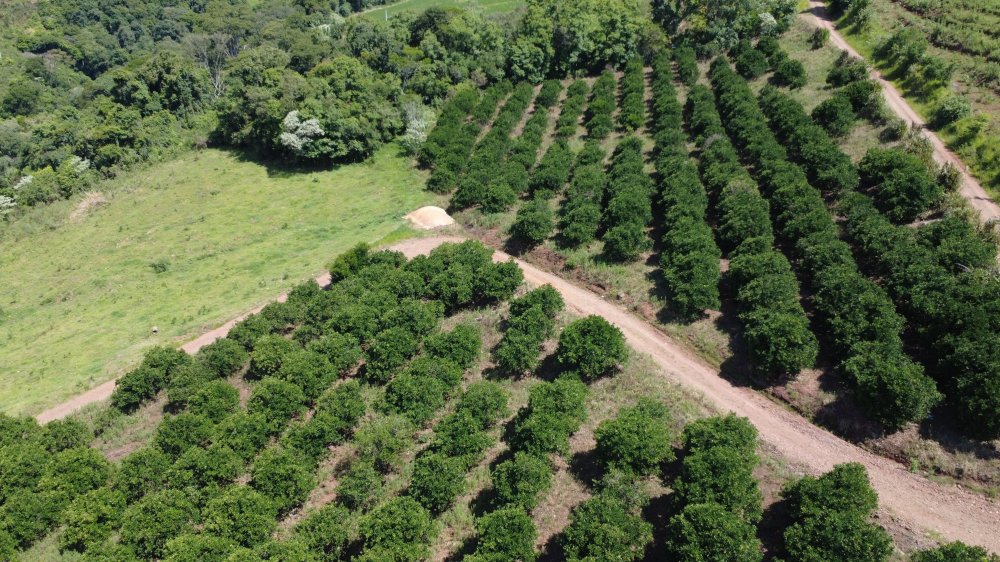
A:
{"x":180,"y":246}
{"x":483,"y":6}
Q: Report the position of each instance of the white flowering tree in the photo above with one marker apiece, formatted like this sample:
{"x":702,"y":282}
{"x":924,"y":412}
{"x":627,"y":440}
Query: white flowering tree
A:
{"x":297,"y":134}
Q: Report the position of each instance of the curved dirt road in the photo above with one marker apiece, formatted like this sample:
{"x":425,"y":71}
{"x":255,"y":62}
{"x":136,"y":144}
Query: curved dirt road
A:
{"x":971,"y":190}
{"x":929,"y":508}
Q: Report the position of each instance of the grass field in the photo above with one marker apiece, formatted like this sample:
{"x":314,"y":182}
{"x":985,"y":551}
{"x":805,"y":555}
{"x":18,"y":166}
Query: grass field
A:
{"x":80,"y":297}
{"x":483,"y":6}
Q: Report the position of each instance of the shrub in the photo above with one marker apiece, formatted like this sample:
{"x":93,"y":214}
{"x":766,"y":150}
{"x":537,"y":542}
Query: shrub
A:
{"x":638,"y":440}
{"x":720,"y":475}
{"x":687,"y":65}
{"x":602,"y":104}
{"x":400,"y":526}
{"x":624,"y":242}
{"x":485,"y":402}
{"x":533,"y":223}
{"x":143,"y":382}
{"x":60,"y":435}
{"x":388,"y":351}
{"x":790,"y":72}
{"x":517,"y":352}
{"x":339,"y":409}
{"x":245,"y":434}
{"x":498,"y":197}
{"x":28,"y":515}
{"x":459,"y":435}
{"x":342,"y":351}
{"x":198,"y":548}
{"x":521,"y":479}
{"x":955,"y":552}
{"x":359,"y":486}
{"x":891,"y":387}
{"x":414,"y":396}
{"x":21,"y":466}
{"x":205,"y":469}
{"x":819,"y":37}
{"x":224,"y":356}
{"x":309,"y":370}
{"x":549,"y":94}
{"x":708,"y":531}
{"x":750,"y":62}
{"x":506,"y":534}
{"x":142,"y":472}
{"x":951,"y":110}
{"x":325,"y":532}
{"x":177,"y":434}
{"x":186,"y":382}
{"x":268,"y":353}
{"x":382,"y":440}
{"x":592,"y":347}
{"x":90,"y":518}
{"x":282,"y":478}
{"x":215,"y":400}
{"x":241,"y":515}
{"x":605,"y":528}
{"x":148,"y":524}
{"x":835,"y":114}
{"x":277,"y":400}
{"x":437,"y":481}
{"x":461,"y":345}
{"x":555,"y":410}
{"x":900,"y":182}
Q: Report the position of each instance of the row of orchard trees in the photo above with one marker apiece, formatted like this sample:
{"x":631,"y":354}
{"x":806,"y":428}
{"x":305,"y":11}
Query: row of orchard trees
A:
{"x":858,"y":317}
{"x":178,"y":497}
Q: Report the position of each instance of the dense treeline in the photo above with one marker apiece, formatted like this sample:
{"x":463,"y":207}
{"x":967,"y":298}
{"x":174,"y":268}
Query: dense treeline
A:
{"x":632,"y":110}
{"x":482,"y":185}
{"x":580,"y":214}
{"x":628,"y":209}
{"x":775,"y":325}
{"x":690,"y":257}
{"x":99,"y":88}
{"x":860,"y":320}
{"x":942,"y":299}
{"x":603,"y":100}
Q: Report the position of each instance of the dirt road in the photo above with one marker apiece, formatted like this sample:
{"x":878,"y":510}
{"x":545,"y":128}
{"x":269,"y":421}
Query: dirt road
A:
{"x":970,"y":189}
{"x":926,"y":507}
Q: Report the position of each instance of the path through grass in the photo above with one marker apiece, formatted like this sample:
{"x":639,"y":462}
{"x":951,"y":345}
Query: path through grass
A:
{"x":79,"y":300}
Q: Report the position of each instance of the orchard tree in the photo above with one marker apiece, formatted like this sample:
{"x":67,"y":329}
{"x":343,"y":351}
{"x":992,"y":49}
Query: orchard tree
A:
{"x":638,"y":440}
{"x":242,"y":515}
{"x":91,"y":518}
{"x":282,"y":478}
{"x":709,"y":531}
{"x":505,"y":534}
{"x":592,"y":347}
{"x":401,"y":525}
{"x":148,"y":524}
{"x":521,"y":479}
{"x":437,"y":481}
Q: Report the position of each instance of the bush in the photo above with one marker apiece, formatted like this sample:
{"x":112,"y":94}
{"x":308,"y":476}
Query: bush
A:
{"x":604,"y":528}
{"x":141,"y":473}
{"x":506,"y":534}
{"x":687,"y":65}
{"x":215,"y":400}
{"x":708,"y":531}
{"x":955,"y":552}
{"x":21,"y":466}
{"x":517,"y":352}
{"x":819,"y":37}
{"x":268,"y":353}
{"x":951,"y":110}
{"x":309,"y":370}
{"x":187,"y":381}
{"x":400,"y":526}
{"x":60,"y":435}
{"x":224,"y":356}
{"x":437,"y":481}
{"x":461,"y":345}
{"x":533,"y":223}
{"x":720,"y":475}
{"x":176,"y":434}
{"x":388,"y":351}
{"x":28,"y":515}
{"x":382,"y":441}
{"x":485,"y":402}
{"x":325,"y":532}
{"x":498,"y":197}
{"x":555,"y":410}
{"x":835,"y":114}
{"x":750,"y":62}
{"x":891,"y":386}
{"x":591,"y":347}
{"x":198,"y":548}
{"x":790,"y":72}
{"x":245,"y":434}
{"x":638,"y":440}
{"x":205,"y":469}
{"x":521,"y":479}
{"x":359,"y":486}
{"x":602,"y":105}
{"x":241,"y":515}
{"x":415,"y":396}
{"x":549,"y":94}
{"x":459,"y":435}
{"x":900,"y":182}
{"x":148,"y":524}
{"x":142,"y":383}
{"x":282,"y":478}
{"x":90,"y":518}
{"x":277,"y":400}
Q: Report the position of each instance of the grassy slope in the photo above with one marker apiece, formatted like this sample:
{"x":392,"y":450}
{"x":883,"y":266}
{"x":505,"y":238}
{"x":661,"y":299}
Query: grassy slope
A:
{"x":78,"y":302}
{"x":484,"y":6}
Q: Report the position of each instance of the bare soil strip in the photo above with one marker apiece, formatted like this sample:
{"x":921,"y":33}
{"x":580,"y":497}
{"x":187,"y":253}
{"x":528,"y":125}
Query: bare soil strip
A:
{"x":971,"y":190}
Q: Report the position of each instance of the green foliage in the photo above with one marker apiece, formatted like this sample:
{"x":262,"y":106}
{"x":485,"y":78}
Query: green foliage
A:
{"x":485,"y":402}
{"x":241,"y":515}
{"x":750,"y":62}
{"x":437,"y":481}
{"x":720,"y":475}
{"x":572,"y":109}
{"x":277,"y":400}
{"x":954,"y":552}
{"x":521,"y":479}
{"x":269,"y":351}
{"x":282,"y":478}
{"x":325,"y":532}
{"x":790,"y":72}
{"x":245,"y":434}
{"x":148,"y":524}
{"x":606,"y":528}
{"x":205,"y":469}
{"x":382,"y":441}
{"x":555,"y":410}
{"x":143,"y":382}
{"x":461,"y":345}
{"x":629,"y":205}
{"x":224,"y":356}
{"x":59,"y":435}
{"x":401,"y":527}
{"x":200,"y":547}
{"x":900,"y":183}
{"x":533,"y":223}
{"x":215,"y":400}
{"x":359,"y":486}
{"x":461,"y":435}
{"x":637,"y":439}
{"x":632,"y":112}
{"x":90,"y":518}
{"x":835,"y":114}
{"x":177,"y":434}
{"x":591,"y":347}
{"x":517,"y":352}
{"x":505,"y":534}
{"x":141,"y":473}
{"x":951,"y":110}
{"x":708,"y":531}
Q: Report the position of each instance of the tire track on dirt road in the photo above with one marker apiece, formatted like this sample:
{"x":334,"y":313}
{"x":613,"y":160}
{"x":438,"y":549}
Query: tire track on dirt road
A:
{"x":970,"y":189}
{"x":928,"y":508}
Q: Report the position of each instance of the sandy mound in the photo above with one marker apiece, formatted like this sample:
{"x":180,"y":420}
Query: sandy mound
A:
{"x":427,"y":218}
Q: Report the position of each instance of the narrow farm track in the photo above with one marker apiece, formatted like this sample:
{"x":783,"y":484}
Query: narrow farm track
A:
{"x":971,"y":189}
{"x":922,"y":505}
